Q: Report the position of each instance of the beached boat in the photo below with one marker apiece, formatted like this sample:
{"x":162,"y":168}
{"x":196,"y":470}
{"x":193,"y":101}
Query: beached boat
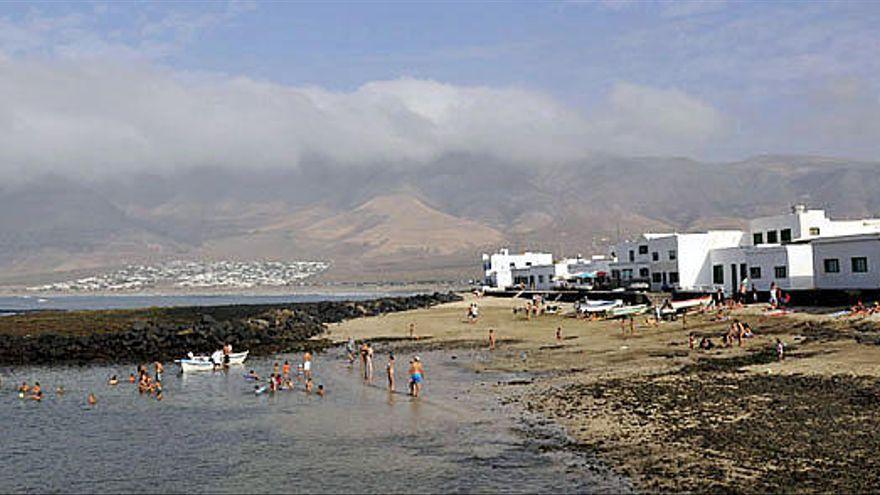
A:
{"x":635,"y":309}
{"x":597,"y":306}
{"x":687,"y":304}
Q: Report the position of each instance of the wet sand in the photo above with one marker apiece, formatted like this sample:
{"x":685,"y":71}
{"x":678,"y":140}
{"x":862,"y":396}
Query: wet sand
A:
{"x":730,"y":419}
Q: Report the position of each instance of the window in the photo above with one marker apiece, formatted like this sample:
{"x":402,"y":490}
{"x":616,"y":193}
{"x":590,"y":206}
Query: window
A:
{"x":672,"y":255}
{"x":832,"y":265}
{"x":655,"y":256}
{"x":673,"y":277}
{"x":780,"y":271}
{"x":717,"y":274}
{"x":615,"y":274}
{"x":755,"y":272}
{"x":757,"y":238}
{"x":771,"y":237}
{"x":814,"y":230}
{"x":860,"y":265}
{"x":656,"y":277}
{"x":528,"y":263}
{"x":540,"y":279}
{"x":627,"y":273}
{"x":513,"y":265}
{"x":785,"y":235}
{"x":643,"y":249}
{"x":632,"y":255}
{"x":644,"y":272}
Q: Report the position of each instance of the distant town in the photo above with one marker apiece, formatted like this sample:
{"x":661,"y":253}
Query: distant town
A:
{"x":194,"y":274}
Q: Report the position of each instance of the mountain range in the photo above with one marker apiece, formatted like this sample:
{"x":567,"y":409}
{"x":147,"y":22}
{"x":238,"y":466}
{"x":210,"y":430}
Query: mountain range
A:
{"x":403,"y":222}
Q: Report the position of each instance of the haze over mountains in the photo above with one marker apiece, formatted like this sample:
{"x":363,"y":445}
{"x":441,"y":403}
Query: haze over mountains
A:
{"x":404,"y":223}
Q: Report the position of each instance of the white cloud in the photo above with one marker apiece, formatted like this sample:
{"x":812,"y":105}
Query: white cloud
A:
{"x":94,"y":118}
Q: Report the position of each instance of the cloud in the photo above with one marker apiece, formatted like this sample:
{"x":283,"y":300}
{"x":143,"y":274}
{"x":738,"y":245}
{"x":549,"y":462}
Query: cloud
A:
{"x":93,"y":118}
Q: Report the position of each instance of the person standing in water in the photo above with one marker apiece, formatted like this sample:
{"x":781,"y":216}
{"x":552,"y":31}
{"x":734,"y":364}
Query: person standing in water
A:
{"x":389,"y":371}
{"x":417,"y":375}
{"x":368,"y":362}
{"x":160,"y":369}
{"x":307,"y":365}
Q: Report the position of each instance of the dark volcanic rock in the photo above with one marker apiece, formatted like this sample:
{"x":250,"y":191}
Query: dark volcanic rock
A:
{"x":172,"y":332}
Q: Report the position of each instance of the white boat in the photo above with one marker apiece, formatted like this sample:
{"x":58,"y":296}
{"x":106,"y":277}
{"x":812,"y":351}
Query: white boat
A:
{"x":193,"y":365}
{"x":691,"y":303}
{"x":234,"y":358}
{"x":598,"y":306}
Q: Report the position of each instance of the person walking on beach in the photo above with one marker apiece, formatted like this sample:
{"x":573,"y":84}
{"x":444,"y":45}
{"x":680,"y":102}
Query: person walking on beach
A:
{"x":558,"y":334}
{"x":491,"y":339}
{"x":780,"y":350}
{"x":412,"y":330}
{"x":389,"y":371}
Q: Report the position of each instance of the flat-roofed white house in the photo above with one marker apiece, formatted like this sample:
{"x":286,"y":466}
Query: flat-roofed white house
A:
{"x":672,"y":260}
{"x":535,"y":277}
{"x":849,"y":262}
{"x":790,"y":266}
{"x":804,"y":224}
{"x":498,"y":267}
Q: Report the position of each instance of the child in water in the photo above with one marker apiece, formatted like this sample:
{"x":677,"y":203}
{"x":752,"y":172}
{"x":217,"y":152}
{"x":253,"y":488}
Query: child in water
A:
{"x":309,"y":385}
{"x":92,"y":400}
{"x":320,"y":390}
{"x":113,"y":380}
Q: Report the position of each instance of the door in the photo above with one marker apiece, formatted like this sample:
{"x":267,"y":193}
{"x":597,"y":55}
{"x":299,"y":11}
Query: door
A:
{"x":733,"y":279}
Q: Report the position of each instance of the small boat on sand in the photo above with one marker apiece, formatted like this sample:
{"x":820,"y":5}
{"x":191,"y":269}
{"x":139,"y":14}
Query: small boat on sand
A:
{"x":597,"y":306}
{"x":633,"y":310}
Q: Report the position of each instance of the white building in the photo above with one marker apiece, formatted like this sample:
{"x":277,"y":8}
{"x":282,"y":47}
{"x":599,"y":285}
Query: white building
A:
{"x":498,"y":267}
{"x":535,"y":277}
{"x":847,"y":262}
{"x":804,"y":224}
{"x":673,"y":260}
{"x":790,"y":266}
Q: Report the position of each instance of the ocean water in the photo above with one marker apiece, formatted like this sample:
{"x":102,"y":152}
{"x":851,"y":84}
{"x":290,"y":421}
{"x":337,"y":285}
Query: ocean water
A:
{"x":212,"y":434}
{"x":82,"y":302}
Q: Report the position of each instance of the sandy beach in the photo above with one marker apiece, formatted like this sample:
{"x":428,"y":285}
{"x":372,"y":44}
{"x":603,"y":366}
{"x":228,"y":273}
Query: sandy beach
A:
{"x":672,"y":418}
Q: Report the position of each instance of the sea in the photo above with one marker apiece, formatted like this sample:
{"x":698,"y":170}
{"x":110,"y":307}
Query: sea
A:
{"x":12,"y":304}
{"x":212,"y":434}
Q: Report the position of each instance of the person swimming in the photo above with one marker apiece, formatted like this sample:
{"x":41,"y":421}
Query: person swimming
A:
{"x":59,"y":390}
{"x":113,"y":380}
{"x":92,"y":400}
{"x":252,"y":375}
{"x":320,"y":390}
{"x":131,"y":378}
{"x":37,"y":392}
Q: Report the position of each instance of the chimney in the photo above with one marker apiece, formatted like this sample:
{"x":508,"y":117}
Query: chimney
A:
{"x":798,"y":208}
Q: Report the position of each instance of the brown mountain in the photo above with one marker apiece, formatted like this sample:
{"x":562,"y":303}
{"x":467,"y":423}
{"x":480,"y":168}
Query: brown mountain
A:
{"x":397,"y":221}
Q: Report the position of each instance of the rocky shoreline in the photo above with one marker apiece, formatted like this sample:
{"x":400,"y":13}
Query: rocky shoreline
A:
{"x":80,"y":337}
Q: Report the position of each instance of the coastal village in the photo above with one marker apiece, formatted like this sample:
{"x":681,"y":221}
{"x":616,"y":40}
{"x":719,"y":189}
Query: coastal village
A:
{"x":805,"y":253}
{"x":193,"y":274}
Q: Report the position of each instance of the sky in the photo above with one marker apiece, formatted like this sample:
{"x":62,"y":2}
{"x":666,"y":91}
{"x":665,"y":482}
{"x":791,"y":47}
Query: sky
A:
{"x":96,"y":88}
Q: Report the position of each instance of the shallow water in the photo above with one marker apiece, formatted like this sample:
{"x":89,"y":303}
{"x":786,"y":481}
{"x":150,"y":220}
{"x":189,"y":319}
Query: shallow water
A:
{"x":211,"y":434}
